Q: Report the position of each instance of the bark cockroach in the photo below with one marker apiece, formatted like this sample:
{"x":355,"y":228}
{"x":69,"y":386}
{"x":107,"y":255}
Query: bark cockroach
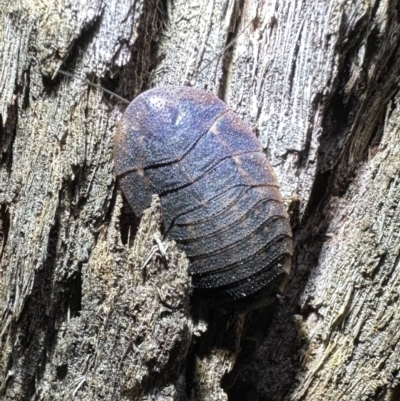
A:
{"x":219,"y":194}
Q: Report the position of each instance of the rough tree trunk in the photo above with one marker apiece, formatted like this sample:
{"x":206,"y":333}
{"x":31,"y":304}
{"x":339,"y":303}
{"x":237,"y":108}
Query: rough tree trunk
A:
{"x":94,"y":305}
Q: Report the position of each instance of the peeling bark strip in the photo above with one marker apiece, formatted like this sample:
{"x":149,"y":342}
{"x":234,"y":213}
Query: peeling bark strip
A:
{"x":131,"y":322}
{"x":317,"y":81}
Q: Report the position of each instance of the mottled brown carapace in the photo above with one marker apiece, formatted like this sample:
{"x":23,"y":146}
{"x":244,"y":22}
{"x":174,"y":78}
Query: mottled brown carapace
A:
{"x":219,"y":195}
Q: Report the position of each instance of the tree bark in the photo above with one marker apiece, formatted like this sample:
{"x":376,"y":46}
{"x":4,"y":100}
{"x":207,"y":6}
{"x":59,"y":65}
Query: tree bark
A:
{"x":95,"y":304}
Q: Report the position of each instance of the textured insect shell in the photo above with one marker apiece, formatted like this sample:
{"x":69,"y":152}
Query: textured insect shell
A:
{"x":218,"y":192}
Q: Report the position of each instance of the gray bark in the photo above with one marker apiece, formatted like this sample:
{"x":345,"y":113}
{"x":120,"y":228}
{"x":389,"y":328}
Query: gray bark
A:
{"x":95,"y":305}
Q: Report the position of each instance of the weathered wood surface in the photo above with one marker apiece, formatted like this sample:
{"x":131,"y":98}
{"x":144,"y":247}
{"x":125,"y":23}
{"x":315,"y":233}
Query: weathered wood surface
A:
{"x":93,"y":307}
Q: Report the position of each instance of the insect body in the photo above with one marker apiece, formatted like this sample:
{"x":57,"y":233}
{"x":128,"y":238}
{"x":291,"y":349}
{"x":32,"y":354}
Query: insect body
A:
{"x":218,"y":193}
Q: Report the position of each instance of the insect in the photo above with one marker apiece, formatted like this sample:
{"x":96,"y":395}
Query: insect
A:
{"x":219,"y":195}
